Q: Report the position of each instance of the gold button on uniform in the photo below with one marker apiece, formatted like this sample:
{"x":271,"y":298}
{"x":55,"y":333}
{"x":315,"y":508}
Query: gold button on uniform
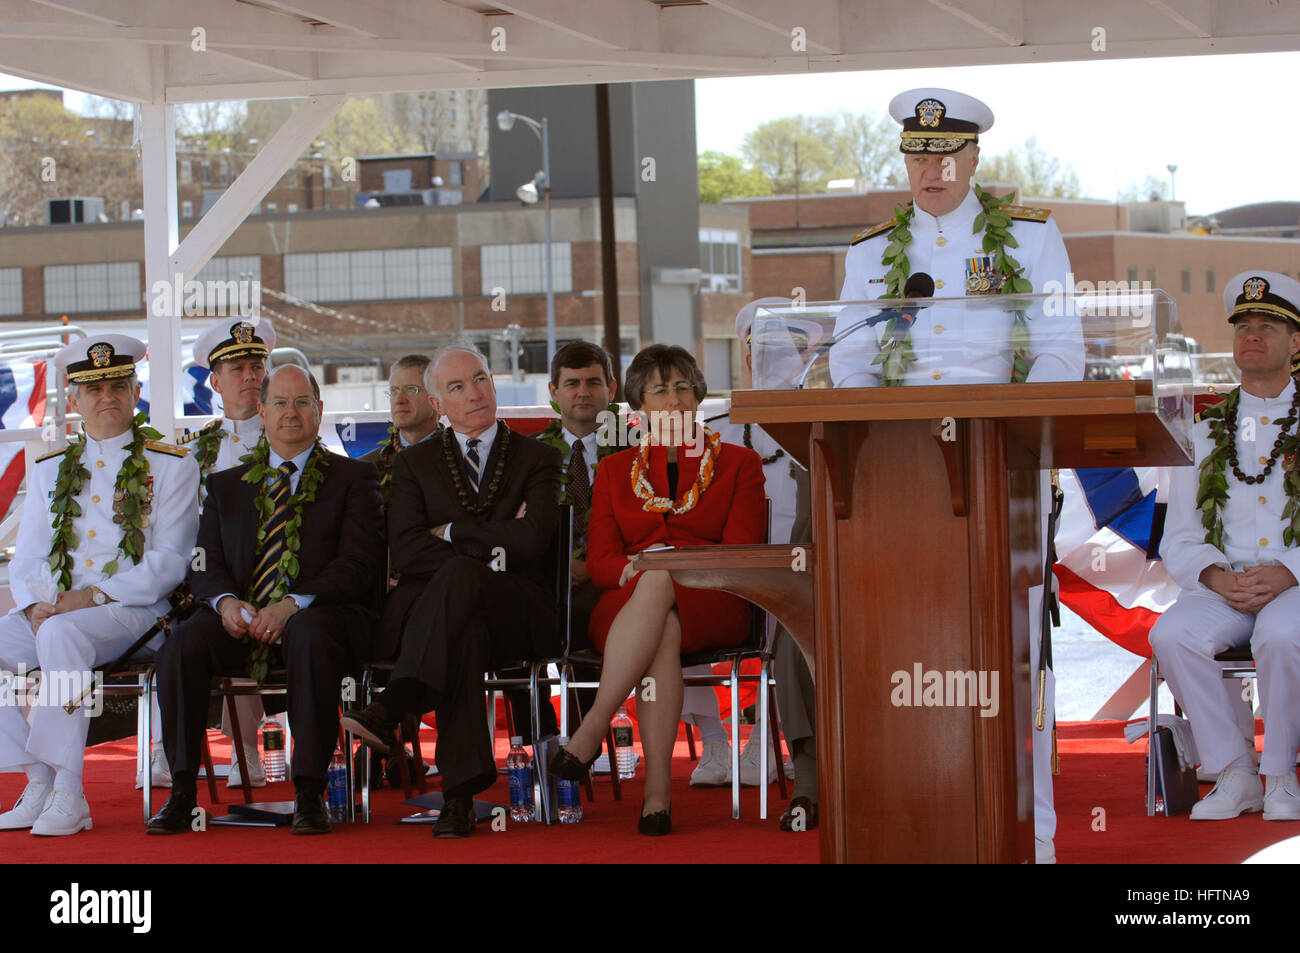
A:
{"x":94,"y":499}
{"x":938,"y":329}
{"x":91,"y":534}
{"x":1263,"y":460}
{"x":1263,"y":542}
{"x":235,"y":437}
{"x":941,"y":241}
{"x":99,"y":463}
{"x":937,"y":375}
{"x":1263,"y":420}
{"x":939,"y":283}
{"x":89,"y":563}
{"x":1263,"y":500}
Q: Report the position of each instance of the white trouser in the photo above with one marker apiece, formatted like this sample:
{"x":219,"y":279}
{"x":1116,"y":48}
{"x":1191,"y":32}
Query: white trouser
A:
{"x":1044,"y":796}
{"x":1199,"y":626}
{"x":67,"y":647}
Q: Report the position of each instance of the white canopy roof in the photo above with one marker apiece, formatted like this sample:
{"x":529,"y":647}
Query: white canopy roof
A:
{"x":162,"y":51}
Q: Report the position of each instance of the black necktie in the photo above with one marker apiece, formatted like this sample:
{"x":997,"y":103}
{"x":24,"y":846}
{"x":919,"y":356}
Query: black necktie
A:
{"x":472,"y":462}
{"x":579,"y":479}
{"x":265,"y":576}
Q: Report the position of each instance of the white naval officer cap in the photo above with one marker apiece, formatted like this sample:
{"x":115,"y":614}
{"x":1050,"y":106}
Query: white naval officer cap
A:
{"x":100,"y":357}
{"x":802,"y":332}
{"x":1263,"y":292}
{"x":939,"y":121}
{"x":231,"y":338}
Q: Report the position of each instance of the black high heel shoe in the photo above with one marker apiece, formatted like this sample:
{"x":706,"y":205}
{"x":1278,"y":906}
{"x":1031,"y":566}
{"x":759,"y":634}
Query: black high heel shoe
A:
{"x":566,"y":766}
{"x":657,"y":824}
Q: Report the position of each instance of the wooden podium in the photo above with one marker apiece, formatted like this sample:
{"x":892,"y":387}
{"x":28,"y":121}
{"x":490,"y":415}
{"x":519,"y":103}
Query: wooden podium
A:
{"x":926,"y":540}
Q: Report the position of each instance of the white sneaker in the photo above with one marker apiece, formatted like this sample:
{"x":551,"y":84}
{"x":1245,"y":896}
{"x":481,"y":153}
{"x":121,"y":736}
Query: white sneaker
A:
{"x":256,"y":773}
{"x":24,"y":814}
{"x":714,"y":769}
{"x":1237,"y":791}
{"x":66,"y":814}
{"x":158,"y":768}
{"x":1044,"y":850}
{"x":749,"y":766}
{"x":1282,"y":797}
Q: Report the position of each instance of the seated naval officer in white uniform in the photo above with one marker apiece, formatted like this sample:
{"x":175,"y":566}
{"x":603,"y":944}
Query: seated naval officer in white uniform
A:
{"x":1229,"y":545}
{"x":106,"y":535}
{"x":235,"y":353}
{"x":942,"y":233}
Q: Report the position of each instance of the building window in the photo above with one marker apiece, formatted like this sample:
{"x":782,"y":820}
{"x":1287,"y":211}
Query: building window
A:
{"x":293,"y":177}
{"x":521,"y":268}
{"x":187,"y":172}
{"x":1209,"y":281}
{"x":455,"y":174}
{"x":1151,"y":275}
{"x":207,"y":173}
{"x":369,"y":275}
{"x":1132,"y":275}
{"x":719,"y":259}
{"x":187,"y":209}
{"x":1187,"y":281}
{"x":111,"y":286}
{"x":11,"y":291}
{"x":232,"y":268}
{"x":224,"y":167}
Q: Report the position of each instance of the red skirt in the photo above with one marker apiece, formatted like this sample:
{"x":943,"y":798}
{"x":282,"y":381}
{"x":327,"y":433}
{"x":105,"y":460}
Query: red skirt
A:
{"x":710,"y":619}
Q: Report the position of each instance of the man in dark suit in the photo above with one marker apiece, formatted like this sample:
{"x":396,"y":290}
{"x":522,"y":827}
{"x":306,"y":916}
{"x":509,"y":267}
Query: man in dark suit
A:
{"x":319,"y":606}
{"x":472,"y":519}
{"x":414,"y":413}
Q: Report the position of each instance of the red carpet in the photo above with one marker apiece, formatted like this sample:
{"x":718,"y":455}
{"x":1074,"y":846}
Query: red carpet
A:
{"x":1098,"y":771}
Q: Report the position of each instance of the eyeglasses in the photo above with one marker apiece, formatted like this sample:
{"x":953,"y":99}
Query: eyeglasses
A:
{"x":410,"y":390}
{"x":681,"y":387}
{"x":281,"y":404}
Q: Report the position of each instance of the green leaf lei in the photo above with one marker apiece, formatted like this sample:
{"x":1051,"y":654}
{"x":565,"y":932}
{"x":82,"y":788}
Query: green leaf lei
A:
{"x":1213,"y":492}
{"x":260,"y":473}
{"x":896,"y":353}
{"x":552,"y":435}
{"x":130,"y":505}
{"x":208,"y":446}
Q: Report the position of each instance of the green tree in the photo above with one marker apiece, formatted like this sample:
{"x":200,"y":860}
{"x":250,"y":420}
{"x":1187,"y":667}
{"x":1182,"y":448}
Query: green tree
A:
{"x":865,"y":148}
{"x":725,"y":176}
{"x":795,"y":153}
{"x":1154,"y":188}
{"x":1029,"y":166}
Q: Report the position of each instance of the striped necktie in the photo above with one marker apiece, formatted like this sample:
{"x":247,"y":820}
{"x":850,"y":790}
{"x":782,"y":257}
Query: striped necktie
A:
{"x":265,"y":576}
{"x":472,"y":462}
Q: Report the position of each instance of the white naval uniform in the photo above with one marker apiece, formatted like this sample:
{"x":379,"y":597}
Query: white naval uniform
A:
{"x":1201,"y":624}
{"x":78,"y":641}
{"x":952,"y":345}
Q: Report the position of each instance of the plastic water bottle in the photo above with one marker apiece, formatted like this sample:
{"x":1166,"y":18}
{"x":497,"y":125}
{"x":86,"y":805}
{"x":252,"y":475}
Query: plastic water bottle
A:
{"x":568,"y":797}
{"x":519,"y":767}
{"x":626,"y":754}
{"x":337,"y":798}
{"x":273,"y":750}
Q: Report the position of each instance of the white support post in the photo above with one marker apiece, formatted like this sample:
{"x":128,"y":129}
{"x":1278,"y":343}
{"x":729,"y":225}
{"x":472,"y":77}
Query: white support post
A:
{"x":235,"y":204}
{"x":158,"y":157}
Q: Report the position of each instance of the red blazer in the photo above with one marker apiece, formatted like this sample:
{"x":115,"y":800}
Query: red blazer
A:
{"x":732,"y":510}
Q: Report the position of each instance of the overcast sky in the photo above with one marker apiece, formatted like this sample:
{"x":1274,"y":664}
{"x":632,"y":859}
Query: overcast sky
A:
{"x":1223,"y":120}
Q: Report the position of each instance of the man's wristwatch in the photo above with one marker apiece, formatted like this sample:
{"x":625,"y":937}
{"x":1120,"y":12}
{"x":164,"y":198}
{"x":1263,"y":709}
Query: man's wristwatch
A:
{"x":98,"y":596}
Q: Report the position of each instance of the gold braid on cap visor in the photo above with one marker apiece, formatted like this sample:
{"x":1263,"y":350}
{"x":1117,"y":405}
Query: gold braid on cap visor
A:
{"x":230,"y":351}
{"x":102,"y":373}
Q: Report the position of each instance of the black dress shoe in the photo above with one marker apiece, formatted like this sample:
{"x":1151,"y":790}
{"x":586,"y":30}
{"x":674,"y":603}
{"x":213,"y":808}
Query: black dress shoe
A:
{"x":566,"y":766}
{"x":176,"y":816}
{"x":373,"y":726}
{"x":456,"y":819}
{"x":801,"y":808}
{"x":309,"y":815}
{"x":657,"y":824}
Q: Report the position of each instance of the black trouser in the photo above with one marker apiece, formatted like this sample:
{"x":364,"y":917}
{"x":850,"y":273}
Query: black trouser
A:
{"x":468,"y":619}
{"x":319,"y":647}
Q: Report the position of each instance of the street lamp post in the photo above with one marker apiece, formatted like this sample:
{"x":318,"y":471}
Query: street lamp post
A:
{"x":1173,"y":195}
{"x":541,"y":183}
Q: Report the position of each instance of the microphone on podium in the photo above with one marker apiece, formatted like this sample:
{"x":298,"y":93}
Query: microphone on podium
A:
{"x":919,"y":285}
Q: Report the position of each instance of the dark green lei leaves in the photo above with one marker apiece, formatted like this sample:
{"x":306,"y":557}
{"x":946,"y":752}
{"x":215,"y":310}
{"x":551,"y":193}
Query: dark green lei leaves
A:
{"x":553,"y":436}
{"x":131,"y":512}
{"x":260,"y":473}
{"x":208,"y":446}
{"x":1213,"y":493}
{"x":896,"y":354}
{"x":386,"y":453}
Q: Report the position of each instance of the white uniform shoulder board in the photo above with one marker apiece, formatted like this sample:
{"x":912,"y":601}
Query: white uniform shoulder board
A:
{"x":1025,"y":213}
{"x":191,"y":435}
{"x":52,"y":454}
{"x":161,"y":447}
{"x":866,"y":233}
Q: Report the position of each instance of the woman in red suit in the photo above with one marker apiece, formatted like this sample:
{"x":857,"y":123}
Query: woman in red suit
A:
{"x":680,"y":487}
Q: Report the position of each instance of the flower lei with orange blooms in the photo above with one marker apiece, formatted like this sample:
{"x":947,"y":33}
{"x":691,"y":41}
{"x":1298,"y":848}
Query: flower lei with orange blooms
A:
{"x":686,"y":502}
